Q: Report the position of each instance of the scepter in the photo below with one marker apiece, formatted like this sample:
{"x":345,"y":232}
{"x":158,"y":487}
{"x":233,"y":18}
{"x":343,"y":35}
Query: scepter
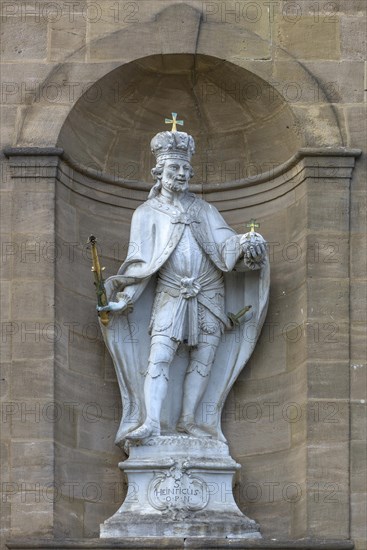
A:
{"x":99,"y":281}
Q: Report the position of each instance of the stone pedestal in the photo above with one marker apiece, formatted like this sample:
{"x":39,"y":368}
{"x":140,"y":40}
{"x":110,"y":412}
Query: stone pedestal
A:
{"x":179,"y":486}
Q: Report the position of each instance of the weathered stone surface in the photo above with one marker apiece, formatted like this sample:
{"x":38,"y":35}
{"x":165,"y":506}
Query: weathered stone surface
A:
{"x":113,"y":17}
{"x":328,"y":338}
{"x":66,"y":426}
{"x":328,"y":380}
{"x":315,"y":134}
{"x":355,"y":132}
{"x":66,"y":221}
{"x":5,"y":383}
{"x":32,"y":379}
{"x":300,"y":87}
{"x":243,"y":43}
{"x":279,"y":319}
{"x":353,"y":37}
{"x":97,"y":483}
{"x":358,"y":516}
{"x":335,"y":210}
{"x":32,"y":339}
{"x":109,"y":369}
{"x":54,"y":115}
{"x":358,"y":253}
{"x":329,"y":12}
{"x":5,"y":297}
{"x":327,"y":254}
{"x":322,"y":36}
{"x":328,"y":422}
{"x":333,"y":307}
{"x":269,"y":346}
{"x":328,"y":488}
{"x":358,"y":301}
{"x":329,"y":39}
{"x":242,"y":420}
{"x":93,"y":513}
{"x":107,"y":396}
{"x":68,"y":38}
{"x":358,"y":210}
{"x":33,"y":212}
{"x":358,"y":419}
{"x":69,"y":517}
{"x":33,"y":418}
{"x":38,"y":468}
{"x":341,"y":81}
{"x":24,"y":295}
{"x":282,"y":485}
{"x":85,"y":355}
{"x":95,"y":432}
{"x":359,"y":373}
{"x":8,"y":122}
{"x":22,"y":84}
{"x":23,"y":39}
{"x":5,"y":211}
{"x":30,"y":513}
{"x":31,"y":254}
{"x":358,"y":466}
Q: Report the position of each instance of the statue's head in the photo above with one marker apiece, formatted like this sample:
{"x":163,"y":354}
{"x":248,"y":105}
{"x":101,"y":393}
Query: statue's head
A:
{"x":173,"y":151}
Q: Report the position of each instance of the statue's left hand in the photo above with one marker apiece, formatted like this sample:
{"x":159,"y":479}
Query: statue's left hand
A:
{"x":254,"y":249}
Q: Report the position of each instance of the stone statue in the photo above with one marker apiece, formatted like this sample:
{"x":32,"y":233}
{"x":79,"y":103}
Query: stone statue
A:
{"x":185,"y":244}
{"x":177,"y":353}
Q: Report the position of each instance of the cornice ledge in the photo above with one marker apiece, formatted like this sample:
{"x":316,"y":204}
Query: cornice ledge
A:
{"x":303,"y":153}
{"x":210,"y":187}
{"x":176,"y":543}
{"x":328,"y":152}
{"x":33,"y":151}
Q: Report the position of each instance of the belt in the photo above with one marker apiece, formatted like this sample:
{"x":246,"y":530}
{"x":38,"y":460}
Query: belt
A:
{"x":188,"y":296}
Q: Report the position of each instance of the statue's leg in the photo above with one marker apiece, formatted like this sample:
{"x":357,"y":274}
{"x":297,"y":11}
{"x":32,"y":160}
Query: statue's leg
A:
{"x":162,"y":352}
{"x":196,"y":381}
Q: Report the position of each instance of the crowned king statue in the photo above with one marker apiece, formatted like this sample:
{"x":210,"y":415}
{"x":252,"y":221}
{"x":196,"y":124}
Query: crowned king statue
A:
{"x":186,"y":271}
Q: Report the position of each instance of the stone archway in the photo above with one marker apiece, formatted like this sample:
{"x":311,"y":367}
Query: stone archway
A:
{"x":68,"y":81}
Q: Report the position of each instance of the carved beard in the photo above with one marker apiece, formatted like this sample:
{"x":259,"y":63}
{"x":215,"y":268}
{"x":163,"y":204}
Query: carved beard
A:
{"x":175,"y":186}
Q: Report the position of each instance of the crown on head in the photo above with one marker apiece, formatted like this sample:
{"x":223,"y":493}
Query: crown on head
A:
{"x":173,"y":144}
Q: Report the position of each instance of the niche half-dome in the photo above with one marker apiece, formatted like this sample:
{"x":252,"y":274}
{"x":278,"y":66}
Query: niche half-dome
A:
{"x":241,"y":124}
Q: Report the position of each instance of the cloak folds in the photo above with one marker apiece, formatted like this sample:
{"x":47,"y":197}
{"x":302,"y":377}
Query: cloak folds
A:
{"x":156,"y":229}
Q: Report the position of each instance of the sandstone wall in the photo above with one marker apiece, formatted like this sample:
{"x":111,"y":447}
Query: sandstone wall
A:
{"x":257,"y":82}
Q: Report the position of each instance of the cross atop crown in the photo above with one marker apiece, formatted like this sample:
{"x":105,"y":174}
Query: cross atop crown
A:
{"x":174,"y":122}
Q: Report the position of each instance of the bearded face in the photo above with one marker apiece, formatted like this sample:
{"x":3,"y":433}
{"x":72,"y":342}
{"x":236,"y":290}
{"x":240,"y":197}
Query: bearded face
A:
{"x":176,"y":175}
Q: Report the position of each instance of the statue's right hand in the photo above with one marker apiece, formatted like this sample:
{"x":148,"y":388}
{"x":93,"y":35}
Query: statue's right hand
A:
{"x":113,"y":306}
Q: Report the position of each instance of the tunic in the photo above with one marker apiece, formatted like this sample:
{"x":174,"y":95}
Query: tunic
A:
{"x":189,"y":295}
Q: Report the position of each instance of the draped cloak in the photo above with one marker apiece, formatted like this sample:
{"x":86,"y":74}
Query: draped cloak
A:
{"x":156,"y":229}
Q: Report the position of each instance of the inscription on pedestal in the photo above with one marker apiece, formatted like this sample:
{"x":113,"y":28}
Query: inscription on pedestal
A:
{"x":178,"y":489}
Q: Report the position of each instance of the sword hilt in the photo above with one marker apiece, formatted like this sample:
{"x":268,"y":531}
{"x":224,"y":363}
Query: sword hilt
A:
{"x":235,"y":317}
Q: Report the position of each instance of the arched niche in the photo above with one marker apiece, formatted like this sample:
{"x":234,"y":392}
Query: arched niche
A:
{"x":41,"y":119}
{"x":300,"y":203}
{"x":241,"y":124}
{"x":286,"y":198}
